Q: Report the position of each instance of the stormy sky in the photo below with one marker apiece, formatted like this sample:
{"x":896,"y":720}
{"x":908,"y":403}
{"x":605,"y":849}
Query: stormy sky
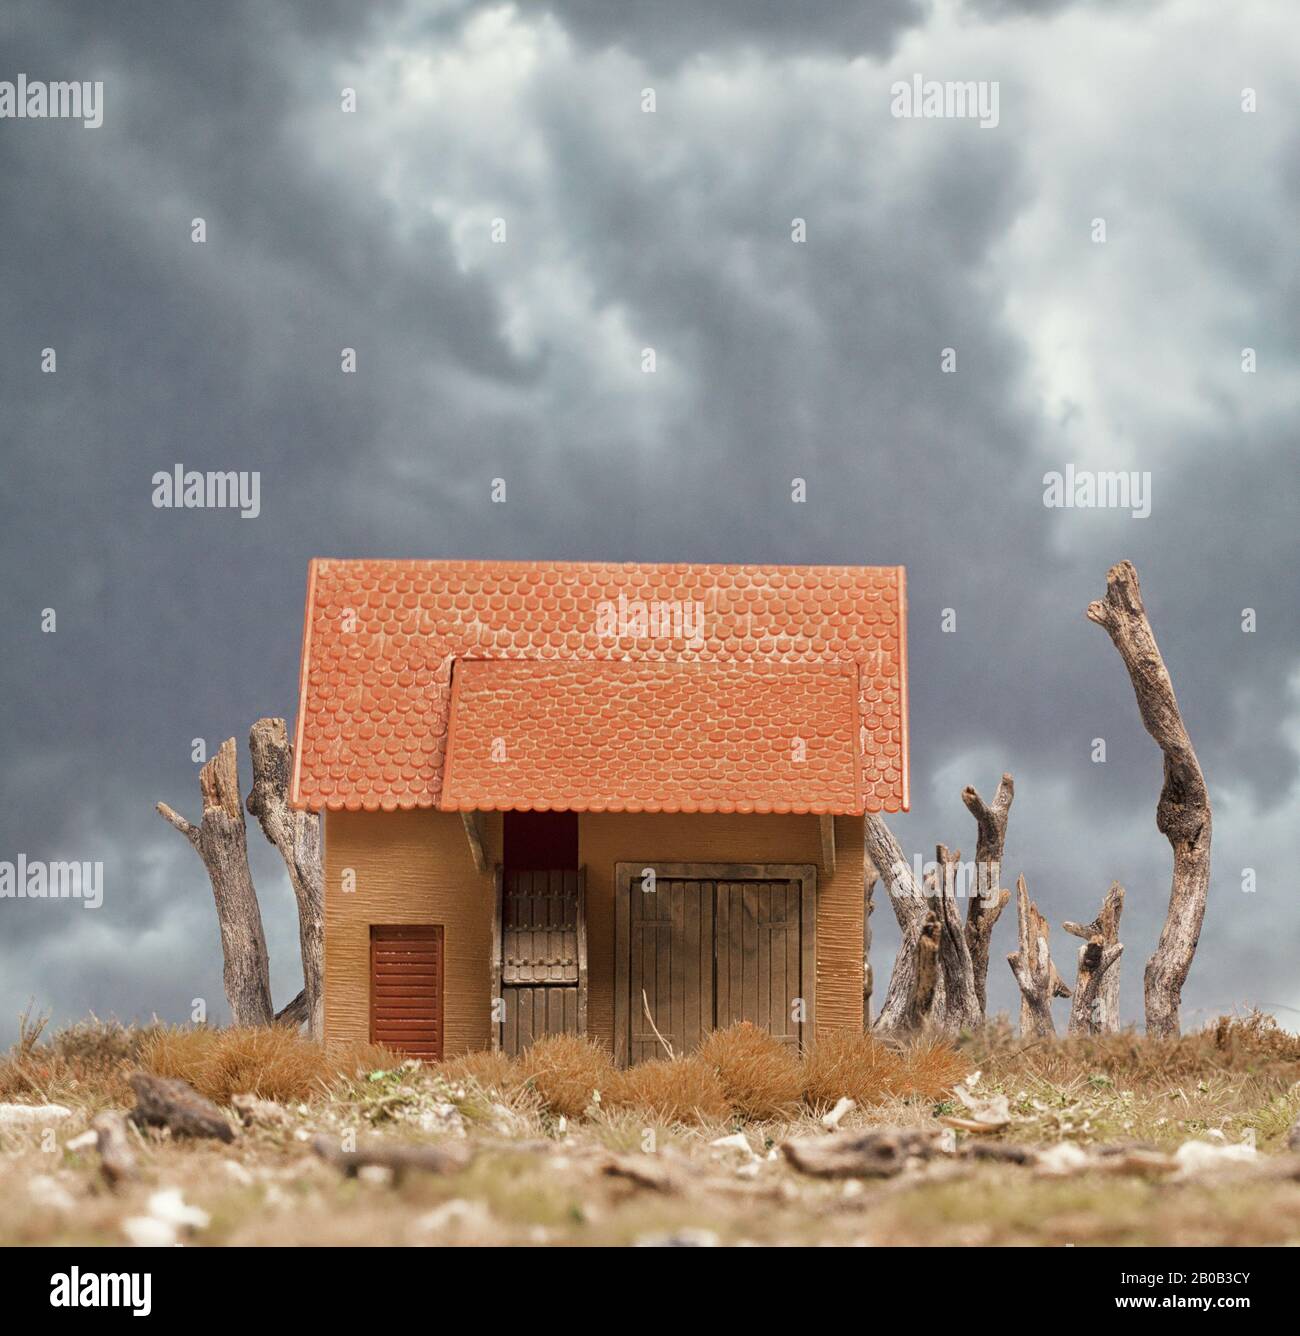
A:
{"x":775,"y":359}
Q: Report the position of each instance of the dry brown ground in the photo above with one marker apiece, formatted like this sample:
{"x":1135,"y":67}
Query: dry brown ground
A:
{"x":533,"y":1177}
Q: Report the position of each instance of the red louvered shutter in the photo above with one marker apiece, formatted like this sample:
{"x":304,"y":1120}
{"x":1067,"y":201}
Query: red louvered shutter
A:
{"x":406,"y":986}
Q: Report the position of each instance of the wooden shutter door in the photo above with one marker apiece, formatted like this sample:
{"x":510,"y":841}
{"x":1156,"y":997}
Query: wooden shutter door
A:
{"x":671,"y":939}
{"x":542,"y":969}
{"x":406,"y":985}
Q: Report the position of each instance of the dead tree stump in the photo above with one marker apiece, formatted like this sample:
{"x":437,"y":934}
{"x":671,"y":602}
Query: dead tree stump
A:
{"x":220,"y":841}
{"x":963,"y":1009}
{"x":915,"y":993}
{"x":936,"y":979}
{"x":1183,"y":811}
{"x":296,"y":836}
{"x":1095,"y":1009}
{"x":1033,"y":968}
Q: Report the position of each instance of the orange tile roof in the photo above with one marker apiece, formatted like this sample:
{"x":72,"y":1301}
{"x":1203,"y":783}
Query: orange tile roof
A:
{"x":610,"y":687}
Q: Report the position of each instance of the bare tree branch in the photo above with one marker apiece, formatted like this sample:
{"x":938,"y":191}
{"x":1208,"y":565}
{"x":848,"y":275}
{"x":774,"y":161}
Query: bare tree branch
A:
{"x":177,"y":821}
{"x":294,"y":1012}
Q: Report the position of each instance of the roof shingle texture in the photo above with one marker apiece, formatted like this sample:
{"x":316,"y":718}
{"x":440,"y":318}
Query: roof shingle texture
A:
{"x":594,"y":686}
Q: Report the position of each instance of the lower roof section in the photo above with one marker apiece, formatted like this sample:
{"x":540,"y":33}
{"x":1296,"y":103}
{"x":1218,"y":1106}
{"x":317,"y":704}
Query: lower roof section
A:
{"x":661,"y":736}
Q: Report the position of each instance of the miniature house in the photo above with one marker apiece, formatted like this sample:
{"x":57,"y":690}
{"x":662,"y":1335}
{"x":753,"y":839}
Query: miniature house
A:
{"x":615,"y":800}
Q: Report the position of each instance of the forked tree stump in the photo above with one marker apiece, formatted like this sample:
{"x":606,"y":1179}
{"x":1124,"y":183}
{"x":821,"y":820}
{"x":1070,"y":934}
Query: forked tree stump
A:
{"x":991,"y":897}
{"x":220,"y":841}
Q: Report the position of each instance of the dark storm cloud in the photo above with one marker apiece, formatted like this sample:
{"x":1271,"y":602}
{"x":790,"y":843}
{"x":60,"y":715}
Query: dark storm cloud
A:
{"x":675,"y":30}
{"x":775,"y":360}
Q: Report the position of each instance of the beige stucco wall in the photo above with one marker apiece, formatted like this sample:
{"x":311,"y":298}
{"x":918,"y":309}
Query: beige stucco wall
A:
{"x":410,"y":867}
{"x":415,"y":867}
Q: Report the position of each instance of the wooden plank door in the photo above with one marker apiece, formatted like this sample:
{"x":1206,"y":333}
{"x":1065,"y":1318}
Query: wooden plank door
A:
{"x":759,"y":957}
{"x":710,"y":945}
{"x":406,"y":988}
{"x":670,"y":967}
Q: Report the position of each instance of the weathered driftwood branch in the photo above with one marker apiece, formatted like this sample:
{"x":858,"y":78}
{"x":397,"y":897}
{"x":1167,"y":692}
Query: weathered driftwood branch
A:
{"x":1183,"y":812}
{"x":116,"y":1158}
{"x":915,"y":992}
{"x":880,"y":1153}
{"x":296,"y":836}
{"x":1095,"y":1009}
{"x":220,"y":841}
{"x":164,"y":1101}
{"x":887,"y":1152}
{"x":643,"y":1171}
{"x":990,"y":897}
{"x":398,"y":1157}
{"x":1033,"y":968}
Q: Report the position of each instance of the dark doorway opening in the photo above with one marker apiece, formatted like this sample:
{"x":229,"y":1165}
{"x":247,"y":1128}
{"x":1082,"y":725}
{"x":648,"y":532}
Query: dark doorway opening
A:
{"x":540,"y":841}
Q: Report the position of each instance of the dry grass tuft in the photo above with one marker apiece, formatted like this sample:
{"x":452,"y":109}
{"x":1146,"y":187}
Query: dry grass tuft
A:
{"x":931,"y":1067}
{"x":565,"y":1070}
{"x":84,"y":1063}
{"x":355,"y":1061}
{"x":1254,"y":1046}
{"x":489,"y":1071}
{"x":272,"y":1062}
{"x":178,"y":1052}
{"x":848,"y":1062}
{"x":683,"y":1090}
{"x":760,"y":1075}
{"x":1254,"y":1038}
